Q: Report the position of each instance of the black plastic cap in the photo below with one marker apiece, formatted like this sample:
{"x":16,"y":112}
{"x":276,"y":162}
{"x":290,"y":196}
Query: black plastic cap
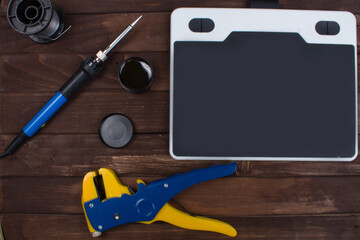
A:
{"x":115,"y":130}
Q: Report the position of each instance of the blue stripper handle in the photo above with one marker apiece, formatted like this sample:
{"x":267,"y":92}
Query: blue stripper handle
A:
{"x":165,"y":189}
{"x":181,"y":181}
{"x":149,"y":199}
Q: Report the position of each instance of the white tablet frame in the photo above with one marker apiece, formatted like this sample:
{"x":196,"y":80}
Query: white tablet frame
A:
{"x":261,"y":20}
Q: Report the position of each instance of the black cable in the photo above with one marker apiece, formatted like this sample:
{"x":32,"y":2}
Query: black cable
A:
{"x":15,"y":144}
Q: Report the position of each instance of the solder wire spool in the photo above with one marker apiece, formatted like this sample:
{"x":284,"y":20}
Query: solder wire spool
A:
{"x":41,"y":20}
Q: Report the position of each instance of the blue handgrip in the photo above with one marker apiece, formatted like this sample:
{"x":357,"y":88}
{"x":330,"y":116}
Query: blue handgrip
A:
{"x":181,"y":181}
{"x":44,"y":114}
{"x":147,"y":202}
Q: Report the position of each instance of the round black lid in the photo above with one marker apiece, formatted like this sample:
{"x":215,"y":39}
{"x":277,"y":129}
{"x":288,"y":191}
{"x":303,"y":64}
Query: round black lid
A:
{"x":115,"y":130}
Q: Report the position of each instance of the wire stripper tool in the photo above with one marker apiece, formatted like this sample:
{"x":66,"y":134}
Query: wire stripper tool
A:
{"x":108,"y":203}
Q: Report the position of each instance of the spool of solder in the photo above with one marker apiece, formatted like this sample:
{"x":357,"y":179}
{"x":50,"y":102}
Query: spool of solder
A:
{"x":41,"y":20}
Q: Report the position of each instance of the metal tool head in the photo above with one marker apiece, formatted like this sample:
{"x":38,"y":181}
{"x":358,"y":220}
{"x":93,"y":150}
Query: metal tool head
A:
{"x":101,"y":184}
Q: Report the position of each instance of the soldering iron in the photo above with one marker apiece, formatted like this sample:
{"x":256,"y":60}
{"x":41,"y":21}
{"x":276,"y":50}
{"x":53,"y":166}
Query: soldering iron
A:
{"x":88,"y":70}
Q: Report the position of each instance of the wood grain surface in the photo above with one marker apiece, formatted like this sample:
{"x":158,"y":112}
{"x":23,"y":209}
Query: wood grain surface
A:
{"x":98,"y":30}
{"x":72,"y":227}
{"x":76,"y":154}
{"x":40,"y":185}
{"x":46,"y":72}
{"x":237,"y":196}
{"x":110,"y":6}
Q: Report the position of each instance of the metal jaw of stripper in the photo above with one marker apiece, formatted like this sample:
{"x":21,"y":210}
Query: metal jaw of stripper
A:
{"x":102,"y":55}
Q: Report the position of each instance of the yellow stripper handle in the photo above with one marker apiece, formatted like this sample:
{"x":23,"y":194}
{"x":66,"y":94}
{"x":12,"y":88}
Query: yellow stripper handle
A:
{"x":181,"y":219}
{"x":88,"y":193}
{"x":178,"y":218}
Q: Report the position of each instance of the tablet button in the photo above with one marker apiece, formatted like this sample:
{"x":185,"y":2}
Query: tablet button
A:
{"x":321,"y":27}
{"x":201,"y":25}
{"x":207,"y":25}
{"x":195,"y":25}
{"x":333,"y":28}
{"x":327,"y":28}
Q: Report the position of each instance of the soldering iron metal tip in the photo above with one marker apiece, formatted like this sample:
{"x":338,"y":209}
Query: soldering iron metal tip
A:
{"x":133,"y":24}
{"x":102,"y":55}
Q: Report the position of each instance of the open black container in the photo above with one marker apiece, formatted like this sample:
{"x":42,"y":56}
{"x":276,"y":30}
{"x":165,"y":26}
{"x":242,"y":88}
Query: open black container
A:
{"x":42,"y":21}
{"x":136,"y":75}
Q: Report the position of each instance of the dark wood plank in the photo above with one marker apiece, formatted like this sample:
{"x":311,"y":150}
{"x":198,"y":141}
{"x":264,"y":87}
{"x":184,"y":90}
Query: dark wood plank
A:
{"x":109,"y":6}
{"x":75,"y":155}
{"x":149,"y":111}
{"x":1,"y":198}
{"x":282,"y":169}
{"x":148,"y":151}
{"x":90,"y":33}
{"x":146,"y":154}
{"x":47,"y":72}
{"x":73,"y":227}
{"x":229,"y":197}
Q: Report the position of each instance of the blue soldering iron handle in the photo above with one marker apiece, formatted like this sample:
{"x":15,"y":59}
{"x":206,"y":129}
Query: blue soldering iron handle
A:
{"x":88,"y":70}
{"x":44,"y":114}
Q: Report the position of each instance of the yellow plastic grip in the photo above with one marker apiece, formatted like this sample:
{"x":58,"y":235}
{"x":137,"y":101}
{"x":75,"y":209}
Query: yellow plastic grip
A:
{"x":181,"y":219}
{"x":88,"y":193}
{"x":178,"y":218}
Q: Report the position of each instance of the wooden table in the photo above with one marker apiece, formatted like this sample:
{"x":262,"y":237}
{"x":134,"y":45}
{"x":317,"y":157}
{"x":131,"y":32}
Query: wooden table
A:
{"x":40,"y":186}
